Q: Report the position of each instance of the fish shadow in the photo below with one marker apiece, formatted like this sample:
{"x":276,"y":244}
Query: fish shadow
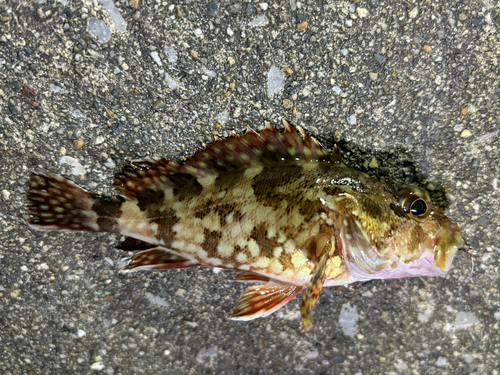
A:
{"x":394,"y":165}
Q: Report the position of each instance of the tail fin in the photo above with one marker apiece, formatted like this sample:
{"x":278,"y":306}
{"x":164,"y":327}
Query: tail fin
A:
{"x":57,"y":203}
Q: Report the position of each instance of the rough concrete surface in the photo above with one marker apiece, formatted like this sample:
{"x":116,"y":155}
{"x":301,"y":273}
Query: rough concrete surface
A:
{"x":413,"y":84}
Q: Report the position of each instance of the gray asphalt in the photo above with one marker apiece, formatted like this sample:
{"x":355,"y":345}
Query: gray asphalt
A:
{"x":414,"y":85}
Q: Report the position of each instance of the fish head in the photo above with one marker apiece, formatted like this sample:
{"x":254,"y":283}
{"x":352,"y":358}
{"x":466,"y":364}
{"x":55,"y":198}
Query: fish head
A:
{"x":395,"y":233}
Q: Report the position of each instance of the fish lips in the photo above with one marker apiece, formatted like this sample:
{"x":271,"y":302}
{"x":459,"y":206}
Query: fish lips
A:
{"x":446,"y":243}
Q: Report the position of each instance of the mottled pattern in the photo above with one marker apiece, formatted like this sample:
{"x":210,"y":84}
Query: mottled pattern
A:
{"x":273,"y":205}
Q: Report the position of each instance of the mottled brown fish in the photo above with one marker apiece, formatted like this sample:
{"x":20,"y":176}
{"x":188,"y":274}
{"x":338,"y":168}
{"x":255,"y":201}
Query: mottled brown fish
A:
{"x":274,"y":206}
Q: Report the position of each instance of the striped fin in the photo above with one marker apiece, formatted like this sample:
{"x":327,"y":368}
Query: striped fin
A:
{"x":57,"y":203}
{"x":250,"y":276}
{"x":252,"y":149}
{"x":262,"y":300}
{"x":157,"y":259}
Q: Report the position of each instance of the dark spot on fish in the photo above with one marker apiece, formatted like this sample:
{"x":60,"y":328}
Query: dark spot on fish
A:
{"x":212,"y":239}
{"x":229,"y":179}
{"x":165,"y":220}
{"x":309,"y":208}
{"x":223,"y":211}
{"x":266,"y":245}
{"x":185,"y":186}
{"x":201,"y":212}
{"x":149,"y":198}
{"x":372,"y":208}
{"x":108,"y":210}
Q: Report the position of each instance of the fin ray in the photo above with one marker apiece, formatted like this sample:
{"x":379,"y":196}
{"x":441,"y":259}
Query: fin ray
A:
{"x":57,"y":203}
{"x":157,"y":259}
{"x":262,"y":300}
{"x":252,"y":149}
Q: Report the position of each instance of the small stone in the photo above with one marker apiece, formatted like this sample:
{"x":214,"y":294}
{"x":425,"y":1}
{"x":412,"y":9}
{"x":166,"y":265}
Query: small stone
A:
{"x":62,"y":150}
{"x":28,"y":91}
{"x":99,"y":29}
{"x":231,"y":60}
{"x":275,"y":81}
{"x":352,"y":120}
{"x":97,"y":366}
{"x":156,"y":58}
{"x":134,"y":4}
{"x":194,"y":54}
{"x":171,"y":54}
{"x":229,"y":31}
{"x":5,"y":194}
{"x":115,"y":15}
{"x":302,"y":26}
{"x":373,"y":164}
{"x":413,"y":13}
{"x":250,"y":10}
{"x":15,"y":293}
{"x":78,"y":143}
{"x":465,"y":110}
{"x":294,"y":112}
{"x":441,"y":362}
{"x":80,"y":333}
{"x":180,"y":292}
{"x":109,"y":298}
{"x":159,"y":104}
{"x":237,"y":112}
{"x":13,"y":110}
{"x":466,"y":133}
{"x":373,"y":76}
{"x":427,"y":48}
{"x":212,"y":9}
{"x":287,"y":103}
{"x":263,"y":6}
{"x":110,"y":113}
{"x":289,"y":71}
{"x":300,"y":18}
{"x":99,"y":140}
{"x":380,"y":58}
{"x":362,"y":12}
{"x":260,"y":21}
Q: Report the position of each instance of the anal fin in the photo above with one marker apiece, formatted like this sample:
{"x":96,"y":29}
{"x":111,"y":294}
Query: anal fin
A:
{"x":262,"y":300}
{"x":250,"y":276}
{"x":157,"y":259}
{"x":325,"y":248}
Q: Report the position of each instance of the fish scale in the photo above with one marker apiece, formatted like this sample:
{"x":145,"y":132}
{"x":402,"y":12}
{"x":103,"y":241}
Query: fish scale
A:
{"x":274,"y":206}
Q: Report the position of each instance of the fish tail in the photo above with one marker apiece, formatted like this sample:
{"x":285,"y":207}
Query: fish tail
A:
{"x":57,"y":203}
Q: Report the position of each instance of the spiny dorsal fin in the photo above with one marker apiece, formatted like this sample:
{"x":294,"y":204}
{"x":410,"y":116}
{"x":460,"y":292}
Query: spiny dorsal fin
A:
{"x":252,"y":149}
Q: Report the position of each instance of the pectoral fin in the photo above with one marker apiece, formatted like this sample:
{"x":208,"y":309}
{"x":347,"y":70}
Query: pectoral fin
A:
{"x":262,"y":300}
{"x":157,"y":259}
{"x":325,"y":249}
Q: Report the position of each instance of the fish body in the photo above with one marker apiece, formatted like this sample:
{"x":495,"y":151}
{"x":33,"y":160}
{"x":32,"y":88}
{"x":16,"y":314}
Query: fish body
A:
{"x":274,"y":206}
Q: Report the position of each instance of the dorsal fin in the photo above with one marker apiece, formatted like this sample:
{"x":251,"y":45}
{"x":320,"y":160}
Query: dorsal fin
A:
{"x":251,"y":149}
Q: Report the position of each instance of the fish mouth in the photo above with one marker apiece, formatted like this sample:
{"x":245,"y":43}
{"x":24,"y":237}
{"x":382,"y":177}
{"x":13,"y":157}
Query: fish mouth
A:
{"x":447,"y":241}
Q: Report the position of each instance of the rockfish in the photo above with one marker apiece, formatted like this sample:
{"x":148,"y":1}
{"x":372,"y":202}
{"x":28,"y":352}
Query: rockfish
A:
{"x":276,"y":207}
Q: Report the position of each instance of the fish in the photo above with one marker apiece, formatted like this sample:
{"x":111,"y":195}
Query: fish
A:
{"x":275,"y":207}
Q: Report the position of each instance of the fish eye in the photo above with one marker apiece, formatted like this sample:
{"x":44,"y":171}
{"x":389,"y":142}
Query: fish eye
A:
{"x":418,"y":207}
{"x":415,"y":206}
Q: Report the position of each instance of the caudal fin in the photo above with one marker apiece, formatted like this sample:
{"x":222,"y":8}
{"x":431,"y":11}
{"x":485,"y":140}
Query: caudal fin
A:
{"x":55,"y":203}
